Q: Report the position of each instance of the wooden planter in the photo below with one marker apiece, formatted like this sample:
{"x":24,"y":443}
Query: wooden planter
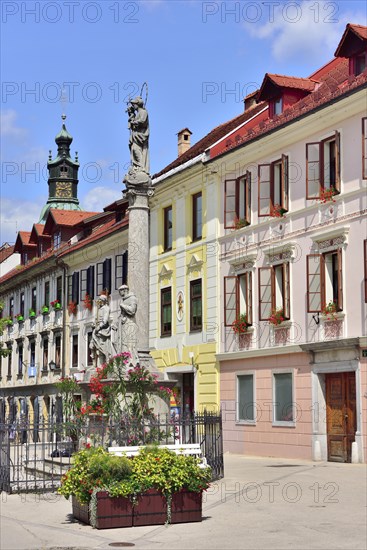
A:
{"x":151,"y":509}
{"x":186,"y":507}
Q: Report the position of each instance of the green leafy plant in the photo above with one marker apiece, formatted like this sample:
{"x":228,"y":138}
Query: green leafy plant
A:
{"x":277,"y":316}
{"x":55,"y":304}
{"x":238,"y":223}
{"x":330,"y":311}
{"x":20,"y":317}
{"x":45,"y":310}
{"x":32,"y":314}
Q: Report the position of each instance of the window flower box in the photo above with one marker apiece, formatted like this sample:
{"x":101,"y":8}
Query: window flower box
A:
{"x":88,"y":302}
{"x":32,"y":314}
{"x":20,"y":318}
{"x":56,"y":305}
{"x":45,"y":310}
{"x":240,"y":325}
{"x":277,"y":211}
{"x":72,"y":308}
{"x":277,"y":316}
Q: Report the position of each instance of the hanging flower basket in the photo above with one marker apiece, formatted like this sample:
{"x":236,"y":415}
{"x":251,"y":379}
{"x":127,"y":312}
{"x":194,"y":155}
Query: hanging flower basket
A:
{"x":72,"y":308}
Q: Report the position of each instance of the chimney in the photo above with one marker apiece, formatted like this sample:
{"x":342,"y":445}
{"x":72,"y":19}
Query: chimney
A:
{"x":183,"y":141}
{"x":250,"y":100}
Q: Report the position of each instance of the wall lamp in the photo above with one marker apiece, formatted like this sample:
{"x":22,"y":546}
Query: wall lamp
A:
{"x":195,"y":365}
{"x":52,"y":365}
{"x":316,"y":318}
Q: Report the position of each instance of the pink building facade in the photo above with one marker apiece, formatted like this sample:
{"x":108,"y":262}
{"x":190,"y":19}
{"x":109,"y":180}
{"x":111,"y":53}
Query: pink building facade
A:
{"x":293,"y":350}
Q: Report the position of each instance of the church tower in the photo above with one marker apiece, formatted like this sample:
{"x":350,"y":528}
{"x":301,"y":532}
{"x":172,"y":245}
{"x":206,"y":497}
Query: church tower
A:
{"x":63,"y":176}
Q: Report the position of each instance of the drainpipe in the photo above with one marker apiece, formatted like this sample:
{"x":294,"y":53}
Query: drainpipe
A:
{"x":65,"y":268}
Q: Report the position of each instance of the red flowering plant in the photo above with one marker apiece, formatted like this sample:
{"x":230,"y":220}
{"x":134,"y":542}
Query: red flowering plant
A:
{"x":327,"y":195}
{"x":240,"y":325}
{"x":277,"y":211}
{"x":277,"y":316}
{"x":238,"y":223}
{"x":330,"y":311}
{"x":88,"y":302}
{"x":55,"y":304}
{"x":72,"y":308}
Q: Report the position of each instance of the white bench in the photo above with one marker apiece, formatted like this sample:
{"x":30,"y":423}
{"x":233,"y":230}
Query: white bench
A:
{"x":192,"y":449}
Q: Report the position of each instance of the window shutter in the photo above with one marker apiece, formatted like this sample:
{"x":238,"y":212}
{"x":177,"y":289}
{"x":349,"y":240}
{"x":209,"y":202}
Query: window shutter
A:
{"x":248,"y":197}
{"x":264,"y":190}
{"x":70,"y":280}
{"x":286,"y":291}
{"x":119,"y":261}
{"x":229,"y":203}
{"x":266,"y":291}
{"x":337,"y":162}
{"x":364,"y":148}
{"x":107,"y":274}
{"x":285,"y":183}
{"x":99,"y":278}
{"x":313,"y":181}
{"x":365,"y":269}
{"x":125,"y":267}
{"x":83,"y":283}
{"x":90,"y":281}
{"x":249,"y":297}
{"x":314,"y":286}
{"x":230,"y":300}
{"x":340,"y":280}
{"x":75,"y":287}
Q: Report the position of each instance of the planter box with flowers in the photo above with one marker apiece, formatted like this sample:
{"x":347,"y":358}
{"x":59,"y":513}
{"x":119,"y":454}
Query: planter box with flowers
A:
{"x":45,"y":310}
{"x":240,"y":327}
{"x":277,"y":211}
{"x":155,"y":487}
{"x":88,"y":302}
{"x":333,"y":321}
{"x":72,"y":308}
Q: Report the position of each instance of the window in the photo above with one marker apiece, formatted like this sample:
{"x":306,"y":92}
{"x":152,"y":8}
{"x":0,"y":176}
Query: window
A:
{"x":75,"y":351}
{"x":237,"y":298}
{"x":357,"y":63}
{"x":57,"y":240}
{"x":89,"y":351}
{"x":167,"y":228}
{"x":21,"y":308}
{"x":46,"y":293}
{"x":11,"y":307}
{"x":283,"y":397}
{"x":20,"y":359}
{"x":104,"y":276}
{"x":324,"y":280}
{"x":74,"y":296}
{"x":196,"y":319}
{"x":237,"y":202}
{"x":197,"y":213}
{"x":323,"y":166}
{"x":166,"y":311}
{"x":34,"y":299}
{"x":58,"y":351}
{"x":276,"y":106}
{"x":59,"y":289}
{"x":121,"y":269}
{"x":245,"y":398}
{"x":87,"y":282}
{"x":274,"y":290}
{"x":45,"y":354}
{"x":32,"y":362}
{"x":273,"y":187}
{"x":10,"y":355}
{"x":364,"y":148}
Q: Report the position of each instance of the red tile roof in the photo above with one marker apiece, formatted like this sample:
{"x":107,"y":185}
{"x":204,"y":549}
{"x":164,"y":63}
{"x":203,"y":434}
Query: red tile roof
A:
{"x":356,"y":30}
{"x":70,"y":217}
{"x":5,"y":252}
{"x":283,"y":81}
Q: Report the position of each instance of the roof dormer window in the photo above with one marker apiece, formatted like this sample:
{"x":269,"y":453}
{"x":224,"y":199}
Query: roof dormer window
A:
{"x":57,"y":240}
{"x":357,"y":64}
{"x":276,"y":106}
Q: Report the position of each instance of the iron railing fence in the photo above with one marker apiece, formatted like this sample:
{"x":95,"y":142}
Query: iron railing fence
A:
{"x":35,"y":455}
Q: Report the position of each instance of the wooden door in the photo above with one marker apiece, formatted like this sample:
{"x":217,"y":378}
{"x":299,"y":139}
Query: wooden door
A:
{"x":341,"y":415}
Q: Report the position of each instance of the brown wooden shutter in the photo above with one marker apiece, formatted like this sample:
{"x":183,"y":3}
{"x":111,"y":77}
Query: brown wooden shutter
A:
{"x":313,"y":170}
{"x":285,"y":183}
{"x":286,"y":291}
{"x":230,"y":212}
{"x":230,"y":300}
{"x":248,"y":197}
{"x":249,"y":297}
{"x":314,"y":283}
{"x":264,"y":189}
{"x":364,"y":148}
{"x":266,"y":292}
{"x":337,"y":162}
{"x":340,"y":279}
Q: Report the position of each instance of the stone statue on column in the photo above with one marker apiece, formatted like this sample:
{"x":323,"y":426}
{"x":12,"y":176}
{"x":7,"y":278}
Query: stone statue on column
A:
{"x":127,"y":335}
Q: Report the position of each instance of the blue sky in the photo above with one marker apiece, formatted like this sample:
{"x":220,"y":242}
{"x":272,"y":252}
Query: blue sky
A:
{"x":198,"y":58}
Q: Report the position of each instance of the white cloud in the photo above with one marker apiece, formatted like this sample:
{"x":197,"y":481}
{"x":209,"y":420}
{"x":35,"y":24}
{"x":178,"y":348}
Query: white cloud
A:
{"x":17,"y":215}
{"x":8,"y":126}
{"x":301,"y":30}
{"x":99,"y":197}
{"x":151,"y":4}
